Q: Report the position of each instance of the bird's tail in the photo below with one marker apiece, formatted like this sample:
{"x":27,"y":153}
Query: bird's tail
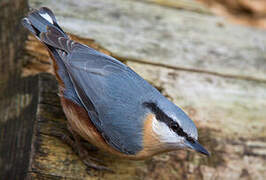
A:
{"x":39,"y":21}
{"x":43,"y":25}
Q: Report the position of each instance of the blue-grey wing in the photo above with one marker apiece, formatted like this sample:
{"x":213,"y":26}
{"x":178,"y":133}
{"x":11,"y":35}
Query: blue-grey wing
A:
{"x":112,"y":94}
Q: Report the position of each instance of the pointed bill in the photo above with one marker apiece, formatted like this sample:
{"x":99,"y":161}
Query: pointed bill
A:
{"x":197,"y":147}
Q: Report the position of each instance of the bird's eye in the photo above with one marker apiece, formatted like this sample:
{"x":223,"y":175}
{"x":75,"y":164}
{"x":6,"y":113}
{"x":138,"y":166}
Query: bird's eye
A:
{"x":174,"y":127}
{"x":190,"y":140}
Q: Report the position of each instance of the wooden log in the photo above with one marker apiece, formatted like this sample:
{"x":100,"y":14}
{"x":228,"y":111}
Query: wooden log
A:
{"x":214,"y":70}
{"x":214,"y":104}
{"x":18,"y":96}
{"x":53,"y":159}
{"x":182,"y":4}
{"x":229,"y":127}
{"x":226,"y":102}
{"x":252,"y":13}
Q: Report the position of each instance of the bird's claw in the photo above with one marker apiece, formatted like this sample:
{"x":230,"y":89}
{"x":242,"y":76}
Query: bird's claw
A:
{"x":81,"y":151}
{"x":91,"y":165}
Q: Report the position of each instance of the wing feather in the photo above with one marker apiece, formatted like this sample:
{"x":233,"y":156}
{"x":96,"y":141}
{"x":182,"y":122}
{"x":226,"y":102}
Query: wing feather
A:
{"x":112,"y":94}
{"x":110,"y":91}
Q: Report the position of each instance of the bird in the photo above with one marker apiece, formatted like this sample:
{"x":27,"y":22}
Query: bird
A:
{"x":108,"y":104}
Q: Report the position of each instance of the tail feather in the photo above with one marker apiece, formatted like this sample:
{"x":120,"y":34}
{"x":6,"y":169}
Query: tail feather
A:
{"x":47,"y":14}
{"x":27,"y":24}
{"x":38,"y":22}
{"x":53,"y":38}
{"x":43,"y":25}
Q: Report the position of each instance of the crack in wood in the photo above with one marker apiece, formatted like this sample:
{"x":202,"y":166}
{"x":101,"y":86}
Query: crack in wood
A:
{"x":125,"y":59}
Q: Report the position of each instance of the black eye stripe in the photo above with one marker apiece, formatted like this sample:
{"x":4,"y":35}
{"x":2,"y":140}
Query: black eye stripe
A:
{"x":161,"y":116}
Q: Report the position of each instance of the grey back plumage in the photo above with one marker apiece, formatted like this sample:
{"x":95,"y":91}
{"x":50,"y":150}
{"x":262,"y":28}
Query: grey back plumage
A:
{"x":116,"y":93}
{"x":112,"y":93}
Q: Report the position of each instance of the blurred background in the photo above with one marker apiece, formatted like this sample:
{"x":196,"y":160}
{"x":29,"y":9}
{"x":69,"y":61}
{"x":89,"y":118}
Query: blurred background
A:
{"x":207,"y":56}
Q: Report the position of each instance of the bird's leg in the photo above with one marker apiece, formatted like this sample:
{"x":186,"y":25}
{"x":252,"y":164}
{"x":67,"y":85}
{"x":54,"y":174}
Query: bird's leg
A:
{"x":79,"y":147}
{"x":83,"y":153}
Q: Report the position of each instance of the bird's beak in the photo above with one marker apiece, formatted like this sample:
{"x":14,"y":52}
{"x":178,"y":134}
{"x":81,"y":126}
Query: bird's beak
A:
{"x":197,"y":147}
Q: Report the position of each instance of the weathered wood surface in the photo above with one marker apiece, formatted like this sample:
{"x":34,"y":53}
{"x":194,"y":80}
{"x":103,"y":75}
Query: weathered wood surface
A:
{"x":252,"y":13}
{"x":17,"y":95}
{"x":182,"y":4}
{"x":214,"y":70}
{"x":155,"y":34}
{"x":54,"y":159}
{"x":231,"y":129}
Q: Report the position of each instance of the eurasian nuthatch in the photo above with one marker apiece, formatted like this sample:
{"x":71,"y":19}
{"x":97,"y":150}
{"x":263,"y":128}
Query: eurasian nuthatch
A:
{"x":107,"y":103}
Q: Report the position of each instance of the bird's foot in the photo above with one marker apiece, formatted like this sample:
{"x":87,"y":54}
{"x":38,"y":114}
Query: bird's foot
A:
{"x":83,"y":153}
{"x":91,"y":165}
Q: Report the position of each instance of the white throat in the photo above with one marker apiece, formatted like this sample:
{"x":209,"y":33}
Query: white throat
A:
{"x":166,"y":135}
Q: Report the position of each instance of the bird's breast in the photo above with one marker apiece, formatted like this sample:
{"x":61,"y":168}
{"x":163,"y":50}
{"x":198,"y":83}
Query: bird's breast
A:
{"x":151,"y":141}
{"x":80,"y":123}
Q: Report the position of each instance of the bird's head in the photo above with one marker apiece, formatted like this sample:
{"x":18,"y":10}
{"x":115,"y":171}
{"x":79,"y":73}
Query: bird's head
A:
{"x":173,"y":127}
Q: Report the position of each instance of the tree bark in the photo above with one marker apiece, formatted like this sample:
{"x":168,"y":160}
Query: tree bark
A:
{"x":17,"y":94}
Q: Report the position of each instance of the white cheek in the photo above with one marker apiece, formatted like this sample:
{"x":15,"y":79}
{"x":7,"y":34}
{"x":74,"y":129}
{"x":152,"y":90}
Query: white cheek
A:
{"x":47,"y":17}
{"x":165,"y":134}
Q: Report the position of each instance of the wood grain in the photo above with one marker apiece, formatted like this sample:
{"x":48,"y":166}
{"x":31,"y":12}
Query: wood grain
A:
{"x":18,"y":96}
{"x":217,"y":76}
